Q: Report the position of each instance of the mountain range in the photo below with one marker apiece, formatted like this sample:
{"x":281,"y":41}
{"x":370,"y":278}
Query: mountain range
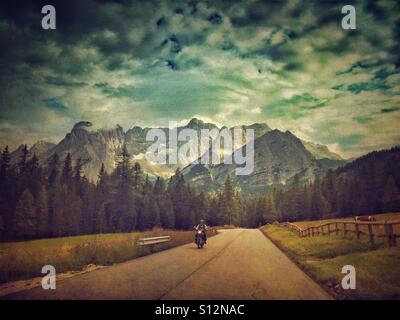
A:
{"x":279,"y":156}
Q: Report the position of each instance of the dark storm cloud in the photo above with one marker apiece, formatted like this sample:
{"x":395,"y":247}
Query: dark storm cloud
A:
{"x":367,"y":86}
{"x":226,"y":61}
{"x":387,"y":110}
{"x":363,"y":64}
{"x":53,"y":104}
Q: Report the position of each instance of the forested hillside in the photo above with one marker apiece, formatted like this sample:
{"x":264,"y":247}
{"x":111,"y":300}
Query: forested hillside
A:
{"x":58,"y":200}
{"x":367,"y":185}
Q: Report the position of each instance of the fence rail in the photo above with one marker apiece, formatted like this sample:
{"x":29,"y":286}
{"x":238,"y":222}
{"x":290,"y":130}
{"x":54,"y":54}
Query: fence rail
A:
{"x":153,"y":240}
{"x":371,"y":229}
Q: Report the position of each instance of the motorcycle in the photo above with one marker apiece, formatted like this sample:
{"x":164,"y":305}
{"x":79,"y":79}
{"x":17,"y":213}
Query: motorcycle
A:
{"x":199,"y":239}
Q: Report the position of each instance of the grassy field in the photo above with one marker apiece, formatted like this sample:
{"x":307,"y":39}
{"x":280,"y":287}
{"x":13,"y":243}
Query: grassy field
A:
{"x":378,"y":217}
{"x":24,"y":260}
{"x":379,"y":230}
{"x":377,"y":267}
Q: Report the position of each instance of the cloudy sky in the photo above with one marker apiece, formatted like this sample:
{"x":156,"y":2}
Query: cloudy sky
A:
{"x":286,"y":63}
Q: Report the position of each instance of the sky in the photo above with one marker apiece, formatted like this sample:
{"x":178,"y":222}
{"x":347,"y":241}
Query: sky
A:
{"x":286,"y":63}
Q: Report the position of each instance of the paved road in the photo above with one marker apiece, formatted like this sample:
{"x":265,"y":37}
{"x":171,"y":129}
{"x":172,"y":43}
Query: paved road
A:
{"x":236,"y":264}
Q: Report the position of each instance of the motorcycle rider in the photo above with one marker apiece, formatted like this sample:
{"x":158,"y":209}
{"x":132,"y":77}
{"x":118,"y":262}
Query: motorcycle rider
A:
{"x":203,"y":227}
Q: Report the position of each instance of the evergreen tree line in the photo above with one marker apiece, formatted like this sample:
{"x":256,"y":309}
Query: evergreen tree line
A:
{"x":369,"y":185}
{"x":57,"y":200}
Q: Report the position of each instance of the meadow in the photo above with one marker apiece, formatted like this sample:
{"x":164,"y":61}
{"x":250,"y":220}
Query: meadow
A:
{"x":24,"y":260}
{"x":377,"y":229}
{"x":378,"y":217}
{"x":377,"y":266}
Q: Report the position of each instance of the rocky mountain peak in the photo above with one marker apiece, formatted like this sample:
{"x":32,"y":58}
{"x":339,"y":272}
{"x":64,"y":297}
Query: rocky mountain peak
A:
{"x":41,"y":147}
{"x":194,"y":122}
{"x":198,"y":124}
{"x":82,"y":125}
{"x":278,"y":155}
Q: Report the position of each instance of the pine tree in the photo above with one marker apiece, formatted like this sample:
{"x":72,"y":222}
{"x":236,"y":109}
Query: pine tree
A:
{"x":330,"y":190}
{"x":25,"y":217}
{"x":89,"y":206}
{"x":227,"y":202}
{"x":2,"y":227}
{"x":159,"y":186}
{"x":10,"y":190}
{"x":57,"y":205}
{"x":100,"y":224}
{"x":78,"y":172}
{"x":5,"y":163}
{"x":391,"y":196}
{"x":271,"y":211}
{"x":212,"y":212}
{"x":137,"y":175}
{"x":67,"y":170}
{"x":123,"y":166}
{"x":155,"y":219}
{"x":54,"y":164}
{"x":319,"y":205}
{"x":251,"y":209}
{"x":147,"y":186}
{"x":144,"y":219}
{"x":294,"y":199}
{"x":100,"y":199}
{"x":260,"y":210}
{"x":344,"y":203}
{"x":42,"y":212}
{"x":22,"y":164}
{"x":167,"y":216}
{"x":124,"y":210}
{"x":33,"y":165}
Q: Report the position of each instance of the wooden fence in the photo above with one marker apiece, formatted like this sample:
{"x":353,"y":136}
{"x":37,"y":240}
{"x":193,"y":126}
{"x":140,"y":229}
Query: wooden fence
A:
{"x":371,"y":229}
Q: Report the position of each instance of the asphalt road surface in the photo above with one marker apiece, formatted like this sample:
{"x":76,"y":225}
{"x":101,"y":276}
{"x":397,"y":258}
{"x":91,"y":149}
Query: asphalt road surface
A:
{"x":235,"y":264}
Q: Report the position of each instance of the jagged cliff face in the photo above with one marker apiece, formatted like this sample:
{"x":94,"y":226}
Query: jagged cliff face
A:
{"x":93,"y":148}
{"x":39,"y":149}
{"x":320,"y":151}
{"x":103,"y":147}
{"x":278,"y":155}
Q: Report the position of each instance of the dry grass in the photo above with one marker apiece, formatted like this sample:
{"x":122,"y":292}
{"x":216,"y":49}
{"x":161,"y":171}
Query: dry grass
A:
{"x":380,"y":230}
{"x":23,"y":260}
{"x":378,"y":217}
{"x":378,"y":274}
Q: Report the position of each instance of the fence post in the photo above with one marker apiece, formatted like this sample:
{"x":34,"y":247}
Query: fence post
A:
{"x":329,"y":229}
{"x":371,"y":235}
{"x":388,"y":235}
{"x":344,"y":229}
{"x":337,"y":228}
{"x":392,"y":236}
{"x":357,"y":230}
{"x":312,"y":230}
